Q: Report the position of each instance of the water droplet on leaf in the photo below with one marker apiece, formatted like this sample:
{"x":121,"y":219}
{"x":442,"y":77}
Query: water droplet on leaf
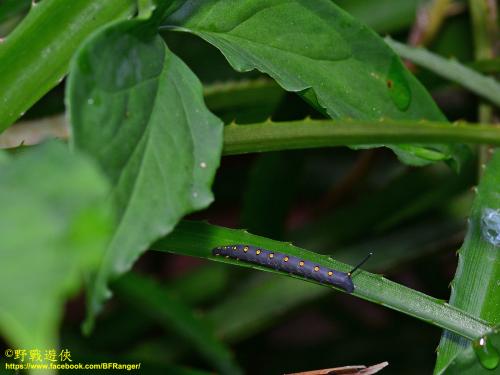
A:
{"x":397,"y":84}
{"x":487,"y":353}
{"x":490,"y":226}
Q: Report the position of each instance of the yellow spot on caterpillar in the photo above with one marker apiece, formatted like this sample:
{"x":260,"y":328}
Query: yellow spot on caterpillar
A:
{"x":257,"y":252}
{"x":271,"y":255}
{"x":330,"y":273}
{"x":301,"y":263}
{"x":245,"y":249}
{"x":227,"y":256}
{"x":235,"y":248}
{"x":285,"y":259}
{"x":316,"y":268}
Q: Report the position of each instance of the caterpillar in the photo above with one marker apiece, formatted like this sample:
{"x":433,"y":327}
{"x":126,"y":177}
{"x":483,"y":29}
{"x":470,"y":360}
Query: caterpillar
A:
{"x":289,"y":263}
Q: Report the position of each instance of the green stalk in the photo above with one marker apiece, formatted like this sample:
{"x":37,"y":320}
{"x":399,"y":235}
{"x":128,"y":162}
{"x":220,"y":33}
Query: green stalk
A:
{"x":35,"y":56}
{"x":274,"y":136}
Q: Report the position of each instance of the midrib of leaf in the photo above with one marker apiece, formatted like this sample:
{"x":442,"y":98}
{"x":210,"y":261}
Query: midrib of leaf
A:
{"x":144,"y":135}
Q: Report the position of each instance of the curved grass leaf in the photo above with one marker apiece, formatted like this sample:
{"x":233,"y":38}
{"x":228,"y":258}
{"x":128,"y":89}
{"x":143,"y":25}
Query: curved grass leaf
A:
{"x":260,"y":301}
{"x":54,"y":227}
{"x":316,"y":49}
{"x":257,"y":306}
{"x":139,"y":111}
{"x":36,"y":55}
{"x":484,"y":86}
{"x":197,"y":239}
{"x":475,"y":288}
{"x":160,"y":304}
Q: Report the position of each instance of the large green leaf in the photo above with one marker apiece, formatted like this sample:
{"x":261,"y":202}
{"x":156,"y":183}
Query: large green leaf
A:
{"x":339,"y":65}
{"x":55,"y":223}
{"x":476,"y":287}
{"x":139,"y":111}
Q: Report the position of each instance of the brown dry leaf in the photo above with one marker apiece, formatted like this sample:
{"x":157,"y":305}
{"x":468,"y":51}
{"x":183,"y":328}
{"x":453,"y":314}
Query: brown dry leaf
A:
{"x":346,"y":370}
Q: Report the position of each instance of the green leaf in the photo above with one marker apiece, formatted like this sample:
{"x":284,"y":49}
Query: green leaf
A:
{"x":484,"y":86}
{"x":158,"y":303}
{"x":54,"y":227}
{"x":250,"y":309}
{"x":139,"y":111}
{"x":314,"y":48}
{"x":480,"y":357}
{"x":35,"y":56}
{"x":260,"y":301}
{"x":475,"y":288}
{"x":198,"y":239}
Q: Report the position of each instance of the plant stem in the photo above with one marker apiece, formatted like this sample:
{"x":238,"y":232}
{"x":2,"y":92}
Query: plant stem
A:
{"x":271,"y":136}
{"x":275,"y":136}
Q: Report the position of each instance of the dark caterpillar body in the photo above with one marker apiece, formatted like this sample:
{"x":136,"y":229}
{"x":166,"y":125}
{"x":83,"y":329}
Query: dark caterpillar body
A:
{"x":287,"y":263}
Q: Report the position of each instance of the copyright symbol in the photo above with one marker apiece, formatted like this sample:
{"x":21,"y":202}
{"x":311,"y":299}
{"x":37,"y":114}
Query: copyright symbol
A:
{"x":9,"y":352}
